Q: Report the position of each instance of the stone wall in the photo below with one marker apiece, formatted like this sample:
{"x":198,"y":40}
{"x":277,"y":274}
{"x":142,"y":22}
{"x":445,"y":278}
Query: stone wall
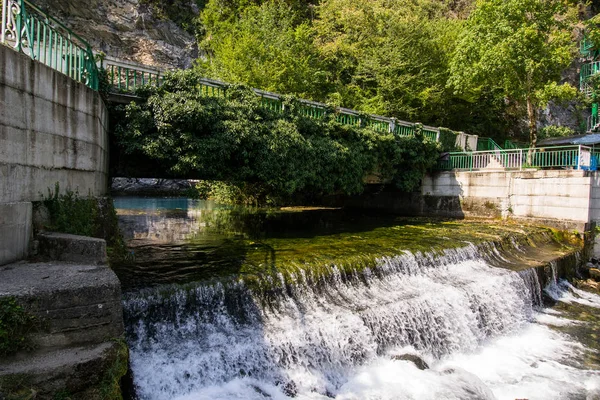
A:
{"x":52,"y":129}
{"x":564,"y":198}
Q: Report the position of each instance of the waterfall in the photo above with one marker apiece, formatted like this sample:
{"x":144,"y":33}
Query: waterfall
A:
{"x":312,"y":338}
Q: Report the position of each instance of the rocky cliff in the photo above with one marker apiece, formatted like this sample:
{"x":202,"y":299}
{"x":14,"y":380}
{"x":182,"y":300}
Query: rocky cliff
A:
{"x":128,"y":29}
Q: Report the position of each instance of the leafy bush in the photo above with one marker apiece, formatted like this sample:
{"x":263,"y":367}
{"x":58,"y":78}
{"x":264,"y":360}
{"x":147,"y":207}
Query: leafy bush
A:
{"x":281,"y":155}
{"x":85,"y":216}
{"x":551,"y":131}
{"x":15,"y":325}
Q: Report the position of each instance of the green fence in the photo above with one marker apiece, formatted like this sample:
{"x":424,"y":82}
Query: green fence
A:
{"x":31,"y":31}
{"x":586,"y":46}
{"x":568,"y":157}
{"x":484,"y":144}
{"x":126,"y":78}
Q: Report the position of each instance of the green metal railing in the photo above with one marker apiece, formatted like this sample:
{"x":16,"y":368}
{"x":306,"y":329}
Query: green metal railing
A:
{"x":588,"y":70}
{"x":586,"y":46}
{"x":510,"y":145}
{"x":31,"y":31}
{"x":575,"y":157}
{"x":127,"y":77}
{"x":484,"y":144}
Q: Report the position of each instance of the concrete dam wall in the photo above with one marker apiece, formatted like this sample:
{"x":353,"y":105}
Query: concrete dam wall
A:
{"x":52,"y":129}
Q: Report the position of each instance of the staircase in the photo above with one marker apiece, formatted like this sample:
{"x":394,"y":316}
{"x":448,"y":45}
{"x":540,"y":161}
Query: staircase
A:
{"x":588,"y":70}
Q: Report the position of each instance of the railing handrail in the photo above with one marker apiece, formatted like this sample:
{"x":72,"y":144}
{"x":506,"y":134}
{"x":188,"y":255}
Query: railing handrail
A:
{"x":569,"y":156}
{"x":57,"y":22}
{"x":134,"y":68}
{"x":535,"y":149}
{"x":28,"y":29}
{"x":130,"y":64}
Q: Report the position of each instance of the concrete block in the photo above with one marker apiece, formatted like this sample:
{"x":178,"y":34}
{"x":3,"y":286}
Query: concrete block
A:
{"x":73,"y":248}
{"x":15,"y":231}
{"x":79,"y":304}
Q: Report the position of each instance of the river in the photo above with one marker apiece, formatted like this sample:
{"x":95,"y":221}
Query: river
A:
{"x":230,"y":303}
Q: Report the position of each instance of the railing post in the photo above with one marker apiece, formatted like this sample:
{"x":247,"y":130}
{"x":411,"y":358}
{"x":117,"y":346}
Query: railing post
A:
{"x":579,"y":157}
{"x":5,"y":7}
{"x":520,"y":159}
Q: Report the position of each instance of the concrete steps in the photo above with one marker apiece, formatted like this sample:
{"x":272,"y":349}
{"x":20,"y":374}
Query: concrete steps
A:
{"x":80,"y":372}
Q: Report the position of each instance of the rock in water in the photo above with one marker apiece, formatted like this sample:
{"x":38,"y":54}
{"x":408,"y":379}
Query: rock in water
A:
{"x":290,"y":389}
{"x":415,"y":359}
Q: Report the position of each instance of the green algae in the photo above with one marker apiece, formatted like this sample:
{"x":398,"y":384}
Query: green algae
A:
{"x":254,"y":244}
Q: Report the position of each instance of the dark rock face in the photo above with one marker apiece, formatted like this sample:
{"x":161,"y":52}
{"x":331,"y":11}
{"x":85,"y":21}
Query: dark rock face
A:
{"x":415,"y":359}
{"x":128,"y":30}
{"x":149,"y":186}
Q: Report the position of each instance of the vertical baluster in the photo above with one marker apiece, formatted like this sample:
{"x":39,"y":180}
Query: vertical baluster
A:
{"x":71,"y":61}
{"x":81,"y":66}
{"x":50,"y":47}
{"x":119,"y":77}
{"x":61,"y":56}
{"x":38,"y":39}
{"x":45,"y":43}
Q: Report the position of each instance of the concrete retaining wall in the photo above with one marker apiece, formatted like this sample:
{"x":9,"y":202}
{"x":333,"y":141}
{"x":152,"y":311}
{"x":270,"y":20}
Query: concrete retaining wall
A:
{"x":52,"y":129}
{"x":566,"y":198}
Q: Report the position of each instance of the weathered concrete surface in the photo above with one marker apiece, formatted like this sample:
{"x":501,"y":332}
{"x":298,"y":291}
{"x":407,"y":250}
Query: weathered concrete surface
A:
{"x":77,"y":304}
{"x":15,"y":230}
{"x":52,"y":129}
{"x":565,"y":198}
{"x":78,"y":371}
{"x":72,"y":248}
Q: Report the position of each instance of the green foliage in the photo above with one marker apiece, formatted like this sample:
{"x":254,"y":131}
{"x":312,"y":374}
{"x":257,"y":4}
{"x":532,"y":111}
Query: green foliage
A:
{"x":71,"y":213}
{"x":85,"y":216}
{"x":236,"y":139}
{"x":15,"y":325}
{"x":224,"y":192}
{"x":384,"y":57}
{"x":110,"y":388}
{"x":448,"y":140}
{"x":519,"y":46}
{"x":267,"y":46}
{"x":551,"y":131}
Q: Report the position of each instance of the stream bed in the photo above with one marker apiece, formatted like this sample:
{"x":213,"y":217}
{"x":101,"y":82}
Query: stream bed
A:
{"x":234,"y":303}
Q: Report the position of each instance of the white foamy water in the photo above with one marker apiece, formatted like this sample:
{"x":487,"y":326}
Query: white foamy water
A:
{"x":474,"y":325}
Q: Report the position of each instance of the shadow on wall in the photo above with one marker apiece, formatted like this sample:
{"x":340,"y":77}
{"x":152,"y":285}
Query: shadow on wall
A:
{"x":424,"y":203}
{"x":442,"y":195}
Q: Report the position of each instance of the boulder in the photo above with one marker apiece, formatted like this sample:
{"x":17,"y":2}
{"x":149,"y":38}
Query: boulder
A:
{"x":415,"y":359}
{"x":595,"y":274}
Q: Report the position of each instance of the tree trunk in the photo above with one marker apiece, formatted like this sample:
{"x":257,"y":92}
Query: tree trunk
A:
{"x":532,"y":115}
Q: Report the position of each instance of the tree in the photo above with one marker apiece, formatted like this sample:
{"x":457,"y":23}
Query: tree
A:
{"x":267,"y":46}
{"x":388,"y":57}
{"x":520,"y":46}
